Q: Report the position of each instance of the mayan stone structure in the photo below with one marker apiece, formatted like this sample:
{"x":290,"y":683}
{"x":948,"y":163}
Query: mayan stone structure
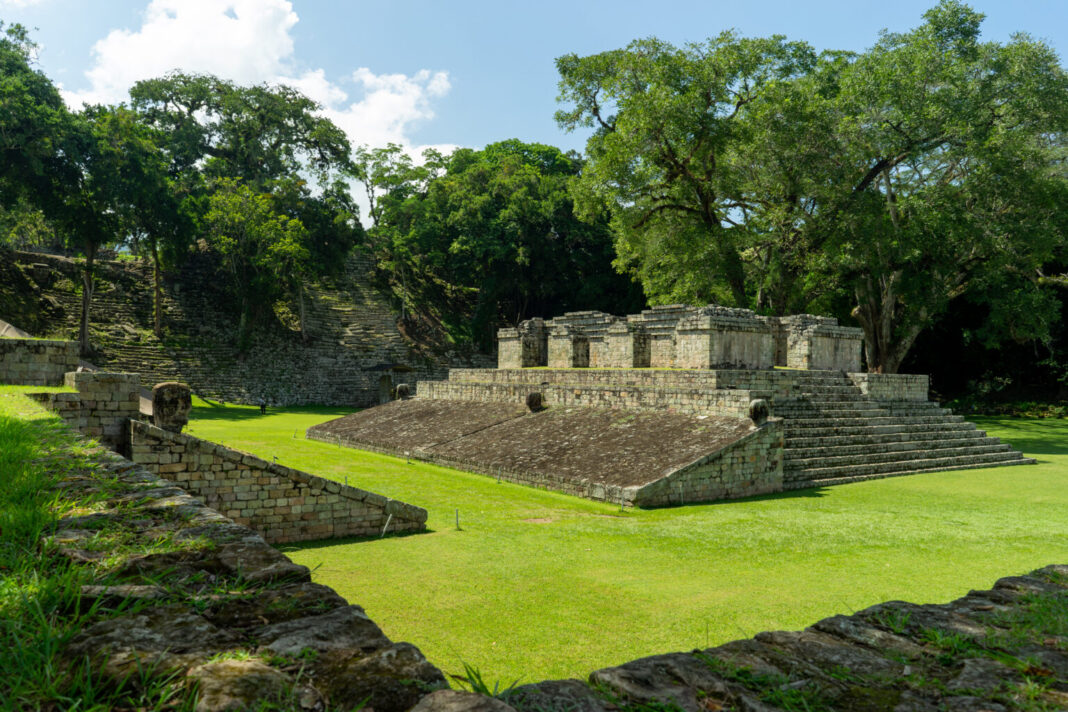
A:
{"x":676,"y":404}
{"x":680,"y":336}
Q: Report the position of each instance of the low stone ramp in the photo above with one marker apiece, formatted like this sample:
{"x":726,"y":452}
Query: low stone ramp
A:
{"x":641,"y":458}
{"x":414,"y":425}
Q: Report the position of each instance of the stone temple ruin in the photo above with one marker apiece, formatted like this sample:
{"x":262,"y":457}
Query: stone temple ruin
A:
{"x":671,"y":406}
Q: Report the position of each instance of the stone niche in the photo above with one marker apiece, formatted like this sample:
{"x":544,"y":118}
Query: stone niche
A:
{"x":569,"y":347}
{"x":718,"y":337}
{"x":593,"y":325}
{"x":627,"y":346}
{"x":523,"y":347}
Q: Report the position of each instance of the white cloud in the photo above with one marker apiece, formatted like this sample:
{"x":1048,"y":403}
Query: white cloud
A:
{"x":249,"y":41}
{"x":243,"y":40}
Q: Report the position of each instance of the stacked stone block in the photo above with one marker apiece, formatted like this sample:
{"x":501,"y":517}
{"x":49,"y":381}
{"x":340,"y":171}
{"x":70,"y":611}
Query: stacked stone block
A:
{"x":627,"y":345}
{"x":525,"y":346}
{"x":681,"y":336}
{"x":282,"y":504}
{"x":715,"y":337}
{"x":569,"y":347}
{"x":36,"y":362}
{"x":103,"y":405}
{"x":749,"y":467}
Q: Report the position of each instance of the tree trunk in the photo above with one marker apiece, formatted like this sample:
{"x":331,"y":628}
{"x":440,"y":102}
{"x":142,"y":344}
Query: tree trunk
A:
{"x":87,"y":298}
{"x":300,"y":299}
{"x":157,"y":306}
{"x":889,"y":331}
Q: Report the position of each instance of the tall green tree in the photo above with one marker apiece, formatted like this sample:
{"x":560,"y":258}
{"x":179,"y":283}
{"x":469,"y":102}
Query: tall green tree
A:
{"x":263,"y":249}
{"x":34,"y":124}
{"x":274,"y":141}
{"x":120,"y":187}
{"x":756,"y":173}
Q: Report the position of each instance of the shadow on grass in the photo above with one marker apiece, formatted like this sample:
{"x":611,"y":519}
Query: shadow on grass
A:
{"x":1032,"y":436}
{"x":326,"y":543}
{"x":215,"y":411}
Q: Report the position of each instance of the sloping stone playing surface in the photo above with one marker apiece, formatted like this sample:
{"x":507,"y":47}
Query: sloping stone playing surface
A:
{"x":415,"y":424}
{"x":578,"y":446}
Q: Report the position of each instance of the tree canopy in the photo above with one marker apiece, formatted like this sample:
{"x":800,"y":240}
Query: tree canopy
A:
{"x":758,"y":173}
{"x":491,"y":232}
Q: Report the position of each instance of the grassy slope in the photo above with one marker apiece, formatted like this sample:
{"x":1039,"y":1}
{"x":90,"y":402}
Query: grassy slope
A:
{"x":539,"y":585}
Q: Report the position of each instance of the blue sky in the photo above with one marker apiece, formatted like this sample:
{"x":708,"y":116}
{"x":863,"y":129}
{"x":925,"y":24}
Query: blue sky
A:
{"x":443,"y":73}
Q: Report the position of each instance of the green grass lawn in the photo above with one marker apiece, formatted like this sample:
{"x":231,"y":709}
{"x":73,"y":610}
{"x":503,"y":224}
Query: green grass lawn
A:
{"x":539,"y":585}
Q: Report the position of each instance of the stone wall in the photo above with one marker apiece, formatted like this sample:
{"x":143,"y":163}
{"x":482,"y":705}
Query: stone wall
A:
{"x":758,"y":383}
{"x":748,"y":467}
{"x":103,"y":405}
{"x":825,"y":347}
{"x":36,"y":362}
{"x":523,"y":347}
{"x":731,"y":403}
{"x":282,"y":504}
{"x":892,"y":386}
{"x":723,"y":338}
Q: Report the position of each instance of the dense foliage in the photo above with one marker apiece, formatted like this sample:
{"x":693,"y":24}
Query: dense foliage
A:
{"x":486,"y":237}
{"x":759,"y":173}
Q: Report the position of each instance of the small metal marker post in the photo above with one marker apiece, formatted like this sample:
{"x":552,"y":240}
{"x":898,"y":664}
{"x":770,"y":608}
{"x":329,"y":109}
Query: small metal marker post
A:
{"x":385,"y":528}
{"x":457,"y":520}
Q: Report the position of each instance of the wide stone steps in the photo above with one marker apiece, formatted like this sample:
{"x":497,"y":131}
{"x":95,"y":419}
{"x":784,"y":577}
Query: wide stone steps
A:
{"x":909,"y":465}
{"x":981,"y":447}
{"x":800,"y":425}
{"x":843,"y":480}
{"x":855,"y":446}
{"x":858,"y":411}
{"x":894,"y":435}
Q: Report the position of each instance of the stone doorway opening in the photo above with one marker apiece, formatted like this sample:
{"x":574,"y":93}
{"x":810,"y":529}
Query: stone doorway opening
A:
{"x":385,"y":388}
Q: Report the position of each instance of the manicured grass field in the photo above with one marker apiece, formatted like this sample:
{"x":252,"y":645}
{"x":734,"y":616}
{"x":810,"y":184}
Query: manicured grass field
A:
{"x":538,"y":585}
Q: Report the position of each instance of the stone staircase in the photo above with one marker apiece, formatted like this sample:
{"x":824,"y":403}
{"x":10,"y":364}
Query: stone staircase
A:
{"x":835,"y":434}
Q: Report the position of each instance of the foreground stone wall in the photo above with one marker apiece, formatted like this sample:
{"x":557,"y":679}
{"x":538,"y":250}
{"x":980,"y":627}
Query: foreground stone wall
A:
{"x":36,"y":362}
{"x":103,"y":405}
{"x":193,"y":600}
{"x":282,"y":504}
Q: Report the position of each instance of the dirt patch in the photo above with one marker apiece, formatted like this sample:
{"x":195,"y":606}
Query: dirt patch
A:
{"x":539,"y":520}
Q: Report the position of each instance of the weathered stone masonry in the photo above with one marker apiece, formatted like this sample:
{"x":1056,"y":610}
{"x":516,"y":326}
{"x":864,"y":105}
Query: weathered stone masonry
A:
{"x":36,"y":362}
{"x":283,"y":504}
{"x":103,"y":405}
{"x":681,"y":336}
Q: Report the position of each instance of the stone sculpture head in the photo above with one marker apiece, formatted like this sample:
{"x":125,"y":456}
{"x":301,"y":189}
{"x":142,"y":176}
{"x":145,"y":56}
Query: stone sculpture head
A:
{"x":535,"y":402}
{"x":759,"y":411}
{"x":171,"y":403}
